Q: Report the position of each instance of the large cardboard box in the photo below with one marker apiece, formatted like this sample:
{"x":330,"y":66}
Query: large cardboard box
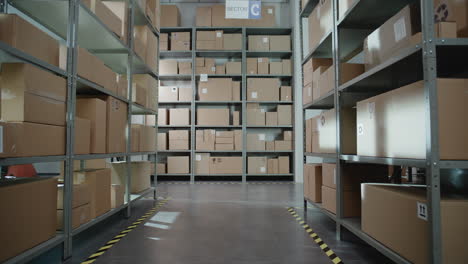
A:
{"x":22,"y":139}
{"x":139,"y":95}
{"x":170,"y":16}
{"x":284,"y":115}
{"x":162,"y":141}
{"x":107,"y":17}
{"x":202,"y":163}
{"x":29,"y":97}
{"x":313,"y":182}
{"x":18,"y":33}
{"x":168,"y":67}
{"x":36,"y":197}
{"x":140,"y":171}
{"x":122,"y":85}
{"x":232,"y":42}
{"x":284,"y":165}
{"x":203,"y":16}
{"x":99,"y":182}
{"x":185,"y":67}
{"x":94,"y":109}
{"x":215,"y":89}
{"x":116,"y":123}
{"x":168,"y":94}
{"x":117,"y":195}
{"x":135,"y":140}
{"x":406,"y":107}
{"x":80,"y":215}
{"x":225,"y":165}
{"x":252,"y":66}
{"x":147,"y":138}
{"x":162,"y":116}
{"x":280,"y":43}
{"x":213,"y":116}
{"x":233,"y":67}
{"x":255,"y":142}
{"x":82,"y":136}
{"x":326,"y":83}
{"x":263,"y":89}
{"x":259,"y":43}
{"x":179,"y":116}
{"x":178,"y":164}
{"x":257,"y":165}
{"x":326,"y":131}
{"x":403,"y":232}
{"x":352,"y":203}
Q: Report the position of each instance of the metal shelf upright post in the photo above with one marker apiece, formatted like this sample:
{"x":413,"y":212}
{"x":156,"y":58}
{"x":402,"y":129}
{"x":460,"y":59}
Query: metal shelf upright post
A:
{"x":244,"y":105}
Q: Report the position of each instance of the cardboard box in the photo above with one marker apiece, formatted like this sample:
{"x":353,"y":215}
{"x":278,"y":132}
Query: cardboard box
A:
{"x":232,"y":42}
{"x":178,"y":164}
{"x":280,"y":43}
{"x":350,"y":71}
{"x":90,"y":164}
{"x":226,"y":165}
{"x":276,"y":68}
{"x":213,"y":116}
{"x":162,"y":141}
{"x":252,"y":66}
{"x":313,"y":182}
{"x":82,"y":136}
{"x":185,"y":67}
{"x":185,"y":94}
{"x":307,"y":72}
{"x":307,"y":95}
{"x":202,"y":163}
{"x":107,"y":17}
{"x":271,"y":118}
{"x":236,"y":91}
{"x":263,"y":89}
{"x":238,"y":143}
{"x":179,"y":116}
{"x":287,"y":67}
{"x":256,"y":117}
{"x":200,"y":62}
{"x":288,"y":135}
{"x":257,"y":165}
{"x":220,"y":69}
{"x":270,"y":145}
{"x":147,"y":82}
{"x":117,"y":195}
{"x":116,"y":123}
{"x":284,"y":164}
{"x":285,"y":93}
{"x":161,"y":168}
{"x":140,"y":171}
{"x":135,"y":140}
{"x":319,"y":78}
{"x":170,"y":16}
{"x":168,"y":67}
{"x":283,"y":145}
{"x":39,"y":198}
{"x":406,"y":107}
{"x":224,"y":146}
{"x":203,"y":16}
{"x":179,"y":45}
{"x":120,"y":9}
{"x":16,"y":32}
{"x":150,"y":43}
{"x":99,"y":182}
{"x":206,"y":35}
{"x":284,"y":115}
{"x":354,"y":175}
{"x":352,"y":203}
{"x":168,"y":94}
{"x":272,"y":166}
{"x":219,"y":45}
{"x":180,"y":36}
{"x":403,"y":232}
{"x":147,"y":138}
{"x":320,"y":23}
{"x":139,"y":95}
{"x":215,"y":89}
{"x":308,"y":134}
{"x":122,"y":85}
{"x":326,"y":131}
{"x":29,"y":99}
{"x":205,"y":139}
{"x":259,"y":43}
{"x":255,"y":142}
{"x":326,"y":82}
{"x":233,"y":67}
{"x":162,"y":117}
{"x":81,"y":195}
{"x":457,"y":13}
{"x":263,"y":65}
{"x":80,"y":215}
{"x":206,"y":45}
{"x":178,"y":139}
{"x":236,"y":118}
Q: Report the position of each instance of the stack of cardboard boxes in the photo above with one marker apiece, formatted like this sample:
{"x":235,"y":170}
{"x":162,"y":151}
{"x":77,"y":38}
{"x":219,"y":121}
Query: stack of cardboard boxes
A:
{"x":257,"y":116}
{"x":180,"y":41}
{"x":146,"y":46}
{"x":258,"y":142}
{"x":208,"y":66}
{"x":144,"y":91}
{"x":174,"y":67}
{"x":215,"y":16}
{"x":219,"y":89}
{"x":265,"y":66}
{"x":269,"y":43}
{"x":210,"y":139}
{"x":174,"y":116}
{"x":108,"y":15}
{"x":178,"y":139}
{"x":174,"y":94}
{"x":320,"y":23}
{"x":265,"y":165}
{"x":143,"y":138}
{"x":218,"y":40}
{"x":207,"y":165}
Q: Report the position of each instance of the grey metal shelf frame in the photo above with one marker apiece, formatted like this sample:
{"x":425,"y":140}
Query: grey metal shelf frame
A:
{"x":242,"y":55}
{"x":74,"y":24}
{"x":431,"y":57}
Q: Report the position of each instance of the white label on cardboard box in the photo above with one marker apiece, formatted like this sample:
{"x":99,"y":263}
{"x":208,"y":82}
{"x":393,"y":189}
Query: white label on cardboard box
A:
{"x":260,"y":59}
{"x":262,"y":169}
{"x":399,"y":29}
{"x":1,"y":139}
{"x":254,"y":95}
{"x":422,"y":211}
{"x":265,"y":40}
{"x":334,"y":176}
{"x":371,"y":109}
{"x":219,"y":34}
{"x":261,"y":137}
{"x":174,"y":89}
{"x":203,"y":77}
{"x":262,"y":110}
{"x":204,"y":90}
{"x":197,"y":157}
{"x":270,"y":11}
{"x":360,"y":129}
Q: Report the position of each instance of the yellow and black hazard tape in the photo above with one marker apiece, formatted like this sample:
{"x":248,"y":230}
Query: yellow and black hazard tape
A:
{"x":331,"y":255}
{"x":122,"y":234}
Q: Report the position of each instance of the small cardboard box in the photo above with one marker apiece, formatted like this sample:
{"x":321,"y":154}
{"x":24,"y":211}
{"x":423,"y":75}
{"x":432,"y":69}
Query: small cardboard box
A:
{"x":313,"y":182}
{"x":284,"y":115}
{"x":162,"y":141}
{"x":168,"y":67}
{"x":117,"y":195}
{"x":185,"y":67}
{"x":202,"y":163}
{"x":116,"y":124}
{"x":270,"y":145}
{"x":179,"y":116}
{"x":271,"y":118}
{"x":135,"y":142}
{"x":259,"y":43}
{"x":206,"y":45}
{"x":170,"y":16}
{"x":283,"y":145}
{"x":205,"y":139}
{"x":82,"y":136}
{"x":276,"y":68}
{"x":160,"y":168}
{"x":284,"y":165}
{"x":256,"y":117}
{"x":179,"y":45}
{"x":219,"y":40}
{"x":307,"y":95}
{"x":203,"y":16}
{"x":287,"y":67}
{"x":236,"y":118}
{"x":272,"y":166}
{"x":263,"y":89}
{"x":238,"y":143}
{"x":168,"y":94}
{"x":147,"y":138}
{"x":236,"y":91}
{"x":257,"y":165}
{"x":162,"y":117}
{"x":285,"y":93}
{"x":263,"y":65}
{"x":185,"y":94}
{"x":213,"y":116}
{"x":139,"y":95}
{"x":232,"y":42}
{"x":220,"y":69}
{"x":178,"y":164}
{"x":226,"y":165}
{"x":99,"y":182}
{"x":224,"y":146}
{"x":252,"y":66}
{"x":280,"y":43}
{"x":107,"y":17}
{"x":288,"y":135}
{"x":94,"y":109}
{"x":233,"y":67}
{"x":352,"y":201}
{"x":256,"y":142}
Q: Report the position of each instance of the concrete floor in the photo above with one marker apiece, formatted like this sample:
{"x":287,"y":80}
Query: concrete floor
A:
{"x":224,"y":223}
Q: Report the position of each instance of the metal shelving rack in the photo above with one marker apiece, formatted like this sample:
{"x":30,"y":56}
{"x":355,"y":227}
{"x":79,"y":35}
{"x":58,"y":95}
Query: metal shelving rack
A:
{"x":347,"y":35}
{"x":71,"y":22}
{"x":239,"y":55}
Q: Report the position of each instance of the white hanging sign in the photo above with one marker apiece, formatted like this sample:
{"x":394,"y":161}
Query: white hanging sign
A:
{"x":243,"y":9}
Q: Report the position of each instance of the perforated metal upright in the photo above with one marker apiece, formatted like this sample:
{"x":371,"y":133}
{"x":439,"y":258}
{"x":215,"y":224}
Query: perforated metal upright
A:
{"x":244,"y":105}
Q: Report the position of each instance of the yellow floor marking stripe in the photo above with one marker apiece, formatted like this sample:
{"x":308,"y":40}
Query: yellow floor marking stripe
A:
{"x":88,"y":262}
{"x":113,"y":241}
{"x":119,"y":236}
{"x":96,"y":254}
{"x":336,"y":260}
{"x":106,"y":247}
{"x":329,"y":252}
{"x":323,"y":246}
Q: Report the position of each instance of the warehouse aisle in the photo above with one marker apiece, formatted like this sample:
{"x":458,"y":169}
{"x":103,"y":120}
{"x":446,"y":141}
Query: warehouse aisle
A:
{"x":232,"y":223}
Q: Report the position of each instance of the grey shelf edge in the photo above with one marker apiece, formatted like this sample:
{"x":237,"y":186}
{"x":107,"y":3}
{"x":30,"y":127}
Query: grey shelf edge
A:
{"x":321,"y":155}
{"x":308,"y":8}
{"x":217,"y":175}
{"x":315,"y":49}
{"x":142,"y":153}
{"x":354,"y":226}
{"x":218,"y":151}
{"x":99,"y":156}
{"x":270,"y":151}
{"x":30,"y":254}
{"x":27,"y":160}
{"x":270,"y":174}
{"x":140,"y":195}
{"x":173,"y":151}
{"x":138,"y":109}
{"x":324,"y":102}
{"x":323,"y":210}
{"x":174,"y":103}
{"x":269,"y":102}
{"x":218,"y":102}
{"x":174,"y":174}
{"x":419,"y":163}
{"x":271,"y":127}
{"x":98,"y":219}
{"x":89,"y":84}
{"x":146,"y":21}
